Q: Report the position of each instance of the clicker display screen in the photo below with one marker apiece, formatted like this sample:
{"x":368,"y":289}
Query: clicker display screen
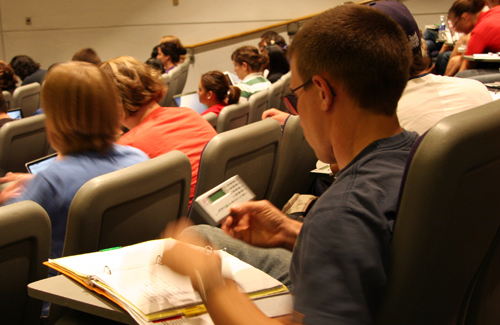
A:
{"x":217,"y":195}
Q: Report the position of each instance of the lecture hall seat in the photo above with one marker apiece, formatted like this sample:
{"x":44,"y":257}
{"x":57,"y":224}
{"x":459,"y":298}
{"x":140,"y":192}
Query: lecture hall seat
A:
{"x":250,"y":151}
{"x":24,"y":245}
{"x":445,"y":248}
{"x":130,"y":205}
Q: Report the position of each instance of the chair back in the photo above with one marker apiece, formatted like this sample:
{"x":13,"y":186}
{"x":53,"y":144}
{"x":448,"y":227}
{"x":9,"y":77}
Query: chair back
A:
{"x":169,"y":96}
{"x":250,"y":151}
{"x":22,"y":141}
{"x":27,"y":97}
{"x":445,"y":248}
{"x":233,"y":116}
{"x":275,"y":92}
{"x":24,"y":245}
{"x":287,"y":79}
{"x":211,"y":118}
{"x":8,"y":99}
{"x":258,"y":104}
{"x":297,"y":159}
{"x":183,"y":73}
{"x":130,"y":205}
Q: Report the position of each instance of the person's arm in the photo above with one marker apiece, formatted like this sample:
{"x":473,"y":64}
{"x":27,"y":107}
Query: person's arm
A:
{"x":260,"y":223}
{"x":224,"y":302}
{"x":275,"y":115}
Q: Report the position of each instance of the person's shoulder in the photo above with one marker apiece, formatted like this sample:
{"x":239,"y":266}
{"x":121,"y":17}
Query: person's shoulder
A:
{"x":464,"y":84}
{"x":130,"y":153}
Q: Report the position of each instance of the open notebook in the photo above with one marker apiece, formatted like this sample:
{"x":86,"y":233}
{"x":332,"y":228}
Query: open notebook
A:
{"x":134,"y":278}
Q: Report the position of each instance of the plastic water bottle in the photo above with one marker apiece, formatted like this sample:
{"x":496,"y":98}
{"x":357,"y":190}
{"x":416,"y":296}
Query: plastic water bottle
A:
{"x":442,"y":30}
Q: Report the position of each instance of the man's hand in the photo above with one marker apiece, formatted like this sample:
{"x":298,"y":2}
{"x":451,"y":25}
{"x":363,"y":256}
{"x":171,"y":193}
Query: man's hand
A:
{"x":261,"y":224}
{"x":275,"y":115}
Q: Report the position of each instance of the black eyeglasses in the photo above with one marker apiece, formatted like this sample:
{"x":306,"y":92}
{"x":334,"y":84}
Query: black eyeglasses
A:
{"x":290,"y":100}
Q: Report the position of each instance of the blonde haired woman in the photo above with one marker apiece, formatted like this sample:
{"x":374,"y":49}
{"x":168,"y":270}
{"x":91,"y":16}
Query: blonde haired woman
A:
{"x":82,"y":123}
{"x":153,"y":129}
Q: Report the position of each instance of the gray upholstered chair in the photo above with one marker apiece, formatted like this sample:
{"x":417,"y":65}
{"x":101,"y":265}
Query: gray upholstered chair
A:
{"x":25,"y":233}
{"x":211,"y":118}
{"x":286,"y":88}
{"x":184,"y":69}
{"x":251,"y":151}
{"x":27,"y":97}
{"x":233,"y":116}
{"x":130,"y":205}
{"x":169,"y":96}
{"x":8,"y":99}
{"x":258,"y":104}
{"x":297,"y":159}
{"x":22,"y":141}
{"x":445,"y":248}
{"x":275,"y":92}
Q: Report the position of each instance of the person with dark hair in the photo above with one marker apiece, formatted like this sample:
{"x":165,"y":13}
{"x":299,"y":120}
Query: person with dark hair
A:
{"x":484,"y":27}
{"x":4,"y":117}
{"x":87,"y":55}
{"x":153,"y":129}
{"x":272,"y":38}
{"x":27,"y":69}
{"x":82,"y":124}
{"x":215,"y":92}
{"x":278,"y":63}
{"x":7,"y":77}
{"x":347,"y":91}
{"x":156,"y":64}
{"x":169,"y":54}
{"x":177,"y":41}
{"x":248,"y":65}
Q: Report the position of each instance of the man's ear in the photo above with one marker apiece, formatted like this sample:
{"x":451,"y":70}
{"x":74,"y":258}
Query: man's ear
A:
{"x":325,"y":92}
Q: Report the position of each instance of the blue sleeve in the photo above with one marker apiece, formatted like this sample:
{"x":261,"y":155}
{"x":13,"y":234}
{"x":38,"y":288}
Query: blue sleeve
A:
{"x":340,"y":264}
{"x":40,"y":191}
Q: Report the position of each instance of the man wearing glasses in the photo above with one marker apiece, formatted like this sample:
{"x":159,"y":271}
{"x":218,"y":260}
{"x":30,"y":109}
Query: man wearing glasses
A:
{"x":347,"y":83}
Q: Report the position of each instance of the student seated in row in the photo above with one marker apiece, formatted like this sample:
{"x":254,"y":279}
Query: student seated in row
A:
{"x":341,"y":253}
{"x":248,"y":65}
{"x":215,"y":92}
{"x":153,"y":129}
{"x":83,"y":131}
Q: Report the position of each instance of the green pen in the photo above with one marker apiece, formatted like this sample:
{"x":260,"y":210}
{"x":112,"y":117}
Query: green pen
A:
{"x":110,"y":249}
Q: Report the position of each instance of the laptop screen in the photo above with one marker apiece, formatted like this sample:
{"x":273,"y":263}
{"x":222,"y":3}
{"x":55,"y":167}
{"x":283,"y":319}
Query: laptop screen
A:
{"x":15,"y":114}
{"x":190,"y":100}
{"x":36,"y":166}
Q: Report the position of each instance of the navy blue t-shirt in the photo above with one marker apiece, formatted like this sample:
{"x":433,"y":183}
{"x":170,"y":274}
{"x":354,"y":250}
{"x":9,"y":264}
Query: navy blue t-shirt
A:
{"x":341,"y":258}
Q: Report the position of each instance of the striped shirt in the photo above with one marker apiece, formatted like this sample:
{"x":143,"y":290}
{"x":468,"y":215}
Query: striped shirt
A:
{"x":253,"y":83}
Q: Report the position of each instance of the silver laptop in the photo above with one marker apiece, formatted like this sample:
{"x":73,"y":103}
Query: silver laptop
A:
{"x":190,"y":100}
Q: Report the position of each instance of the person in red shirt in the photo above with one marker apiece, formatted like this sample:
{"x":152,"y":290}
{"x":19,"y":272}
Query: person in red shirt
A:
{"x":484,"y":27}
{"x":215,"y":92}
{"x":153,"y":129}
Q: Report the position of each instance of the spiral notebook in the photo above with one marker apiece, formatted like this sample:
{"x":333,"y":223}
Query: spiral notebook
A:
{"x":134,"y":278}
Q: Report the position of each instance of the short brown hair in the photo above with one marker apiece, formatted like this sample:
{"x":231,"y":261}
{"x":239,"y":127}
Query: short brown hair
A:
{"x":7,"y":77}
{"x":82,"y":108}
{"x":87,"y":55}
{"x":251,"y":56}
{"x":361,"y":48}
{"x":137,"y":83}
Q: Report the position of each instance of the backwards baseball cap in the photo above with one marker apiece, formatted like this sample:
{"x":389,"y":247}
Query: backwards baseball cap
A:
{"x":403,"y":17}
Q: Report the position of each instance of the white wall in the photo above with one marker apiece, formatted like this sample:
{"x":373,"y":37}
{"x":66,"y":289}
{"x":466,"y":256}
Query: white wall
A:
{"x":125,"y":27}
